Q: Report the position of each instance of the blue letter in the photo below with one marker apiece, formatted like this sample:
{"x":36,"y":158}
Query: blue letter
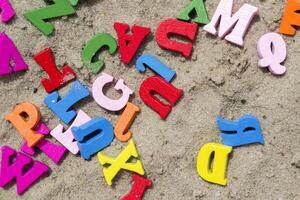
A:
{"x":156,"y":65}
{"x":237,"y":133}
{"x":89,"y":146}
{"x":61,"y":107}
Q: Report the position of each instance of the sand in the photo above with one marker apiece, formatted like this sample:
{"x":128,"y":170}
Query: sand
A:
{"x":219,"y":79}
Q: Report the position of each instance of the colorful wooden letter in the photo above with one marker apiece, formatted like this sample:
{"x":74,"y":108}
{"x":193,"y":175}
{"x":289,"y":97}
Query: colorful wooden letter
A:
{"x":272,"y":50}
{"x":216,"y":173}
{"x":156,"y":84}
{"x":95,"y":45}
{"x":90,"y":146}
{"x":8,"y":52}
{"x":245,"y":131}
{"x":42,"y":128}
{"x":237,"y":24}
{"x":138,"y":188}
{"x":53,"y":151}
{"x":25,"y":118}
{"x":129,"y":43}
{"x":38,"y":17}
{"x":103,"y":100}
{"x":57,"y":79}
{"x":61,"y":107}
{"x":125,"y":121}
{"x":7,"y":12}
{"x":291,"y":18}
{"x":148,"y":60}
{"x":120,"y":162}
{"x":66,"y":138}
{"x":198,"y":7}
{"x":176,"y":27}
{"x":73,"y":2}
{"x":14,"y":169}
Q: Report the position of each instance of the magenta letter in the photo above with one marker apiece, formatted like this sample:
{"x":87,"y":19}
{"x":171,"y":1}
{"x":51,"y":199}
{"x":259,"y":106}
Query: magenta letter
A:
{"x":15,"y":170}
{"x":9,"y":51}
{"x":7,"y":11}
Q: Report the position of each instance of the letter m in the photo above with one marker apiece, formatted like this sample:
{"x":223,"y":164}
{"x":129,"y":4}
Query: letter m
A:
{"x":237,"y":24}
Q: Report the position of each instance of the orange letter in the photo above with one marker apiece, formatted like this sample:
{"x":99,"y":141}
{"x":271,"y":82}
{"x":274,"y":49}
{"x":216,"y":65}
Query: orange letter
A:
{"x":24,"y":118}
{"x":125,"y":121}
{"x":290,"y":18}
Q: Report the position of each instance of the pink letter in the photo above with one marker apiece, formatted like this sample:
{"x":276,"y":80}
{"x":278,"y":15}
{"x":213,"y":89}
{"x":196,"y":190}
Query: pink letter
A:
{"x":15,"y":170}
{"x":272,"y":51}
{"x":7,"y":11}
{"x":67,"y":138}
{"x":236,"y":24}
{"x":103,"y":100}
{"x":9,"y":51}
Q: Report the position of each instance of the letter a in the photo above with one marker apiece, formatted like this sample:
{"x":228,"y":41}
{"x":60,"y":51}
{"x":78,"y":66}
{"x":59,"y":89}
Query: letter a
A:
{"x":15,"y":170}
{"x":129,"y":44}
{"x":120,"y":162}
{"x":216,"y":174}
{"x":26,"y":126}
{"x":198,"y":7}
{"x":237,"y":24}
{"x":290,"y":18}
{"x":9,"y":51}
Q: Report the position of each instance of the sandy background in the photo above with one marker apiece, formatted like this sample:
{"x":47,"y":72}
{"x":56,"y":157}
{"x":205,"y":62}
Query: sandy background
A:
{"x":219,"y":79}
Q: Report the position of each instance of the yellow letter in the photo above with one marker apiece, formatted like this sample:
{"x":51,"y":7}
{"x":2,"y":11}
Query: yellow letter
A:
{"x":216,"y":173}
{"x":120,"y":162}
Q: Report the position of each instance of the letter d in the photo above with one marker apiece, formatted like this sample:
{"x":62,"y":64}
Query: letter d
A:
{"x":218,"y":154}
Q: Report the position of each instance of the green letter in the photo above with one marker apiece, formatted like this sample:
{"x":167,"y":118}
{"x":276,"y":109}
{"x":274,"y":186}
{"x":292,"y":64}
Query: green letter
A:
{"x":195,"y":6}
{"x":58,"y":9}
{"x":93,"y":46}
{"x":74,"y":2}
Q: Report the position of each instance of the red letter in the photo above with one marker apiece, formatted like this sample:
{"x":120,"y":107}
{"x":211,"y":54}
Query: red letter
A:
{"x":57,"y":79}
{"x":156,"y":84}
{"x":138,"y":188}
{"x":176,"y":27}
{"x":130,"y":43}
{"x":15,"y":170}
